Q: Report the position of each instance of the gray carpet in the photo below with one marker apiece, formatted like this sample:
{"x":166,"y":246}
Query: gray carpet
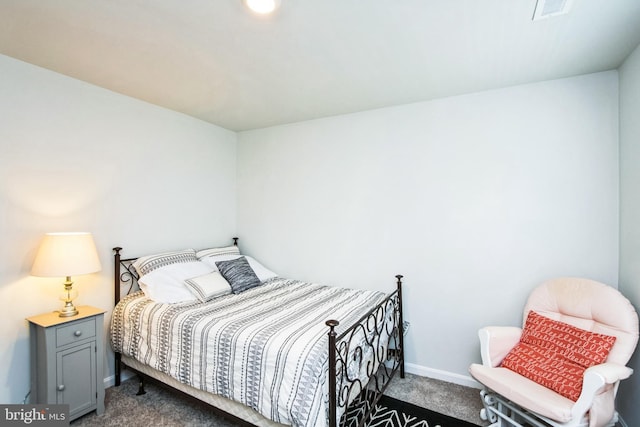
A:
{"x":454,"y":400}
{"x":164,"y":407}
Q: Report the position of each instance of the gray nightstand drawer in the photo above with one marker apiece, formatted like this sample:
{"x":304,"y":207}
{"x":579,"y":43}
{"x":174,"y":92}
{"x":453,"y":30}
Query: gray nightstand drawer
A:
{"x":75,"y":332}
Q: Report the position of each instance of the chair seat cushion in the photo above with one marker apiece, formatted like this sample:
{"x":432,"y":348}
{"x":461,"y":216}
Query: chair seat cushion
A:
{"x":524,"y":392}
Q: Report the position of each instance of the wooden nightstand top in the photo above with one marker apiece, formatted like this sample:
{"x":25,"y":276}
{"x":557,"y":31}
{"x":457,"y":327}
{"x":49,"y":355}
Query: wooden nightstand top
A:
{"x":51,"y":319}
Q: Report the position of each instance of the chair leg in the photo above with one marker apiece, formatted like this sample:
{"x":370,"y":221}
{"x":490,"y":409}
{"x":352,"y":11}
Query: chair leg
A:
{"x":504,"y":413}
{"x":497,"y":412}
{"x":487,"y":413}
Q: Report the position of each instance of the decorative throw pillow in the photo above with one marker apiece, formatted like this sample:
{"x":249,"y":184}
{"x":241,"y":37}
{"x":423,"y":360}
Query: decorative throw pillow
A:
{"x":146,"y":264}
{"x":166,"y":284}
{"x":261,"y":271}
{"x":239,"y":274}
{"x":556,"y":354}
{"x":209,"y":286}
{"x":578,"y":345}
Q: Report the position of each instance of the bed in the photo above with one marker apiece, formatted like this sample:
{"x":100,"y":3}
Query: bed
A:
{"x":278,"y":352}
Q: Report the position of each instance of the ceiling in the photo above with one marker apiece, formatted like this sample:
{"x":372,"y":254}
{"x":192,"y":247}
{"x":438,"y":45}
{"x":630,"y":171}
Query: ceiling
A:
{"x":213,"y":60}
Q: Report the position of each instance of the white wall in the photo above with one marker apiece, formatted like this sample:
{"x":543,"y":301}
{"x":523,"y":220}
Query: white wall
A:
{"x":476,"y":199}
{"x":77,"y":157}
{"x":630,"y":217}
{"x":473,"y":198}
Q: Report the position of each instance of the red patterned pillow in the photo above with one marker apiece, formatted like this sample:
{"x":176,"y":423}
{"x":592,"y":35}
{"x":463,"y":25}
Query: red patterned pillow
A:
{"x":556,"y":354}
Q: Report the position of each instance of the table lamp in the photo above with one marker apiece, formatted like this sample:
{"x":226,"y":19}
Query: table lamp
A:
{"x":66,"y":255}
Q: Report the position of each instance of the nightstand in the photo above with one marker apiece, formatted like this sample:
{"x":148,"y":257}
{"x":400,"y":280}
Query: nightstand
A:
{"x":67,"y":360}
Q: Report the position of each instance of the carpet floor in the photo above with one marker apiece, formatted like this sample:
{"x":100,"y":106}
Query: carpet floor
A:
{"x":161,"y":406}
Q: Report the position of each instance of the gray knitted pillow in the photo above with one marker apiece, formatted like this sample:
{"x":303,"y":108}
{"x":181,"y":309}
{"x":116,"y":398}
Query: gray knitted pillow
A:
{"x":239,"y":274}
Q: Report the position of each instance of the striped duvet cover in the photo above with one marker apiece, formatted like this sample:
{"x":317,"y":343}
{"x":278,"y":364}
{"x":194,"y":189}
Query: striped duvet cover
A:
{"x":265,"y":348}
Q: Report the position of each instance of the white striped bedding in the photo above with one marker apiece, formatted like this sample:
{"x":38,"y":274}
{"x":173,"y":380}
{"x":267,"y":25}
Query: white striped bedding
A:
{"x":265,"y":348}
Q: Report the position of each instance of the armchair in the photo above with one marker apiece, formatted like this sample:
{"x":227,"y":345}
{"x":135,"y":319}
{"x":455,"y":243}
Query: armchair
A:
{"x":571,"y":305}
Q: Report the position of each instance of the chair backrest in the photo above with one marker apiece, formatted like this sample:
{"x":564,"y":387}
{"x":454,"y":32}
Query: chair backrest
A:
{"x":592,"y":306}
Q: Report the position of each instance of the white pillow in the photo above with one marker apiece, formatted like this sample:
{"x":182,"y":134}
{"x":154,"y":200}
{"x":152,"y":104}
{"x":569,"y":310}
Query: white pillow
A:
{"x":261,"y":271}
{"x":166,"y":284}
{"x":146,"y":264}
{"x":212,"y":252}
{"x":209,"y":286}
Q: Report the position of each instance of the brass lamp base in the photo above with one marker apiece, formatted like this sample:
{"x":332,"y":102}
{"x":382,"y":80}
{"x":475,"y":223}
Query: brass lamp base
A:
{"x":69,"y":309}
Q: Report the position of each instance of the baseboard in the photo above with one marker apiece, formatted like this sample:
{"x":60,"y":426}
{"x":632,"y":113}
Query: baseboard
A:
{"x":111,"y":381}
{"x":438,"y":374}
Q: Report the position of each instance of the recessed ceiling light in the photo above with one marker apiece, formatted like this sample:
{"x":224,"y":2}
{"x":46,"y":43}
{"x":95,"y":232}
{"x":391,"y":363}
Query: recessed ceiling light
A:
{"x":263,"y":7}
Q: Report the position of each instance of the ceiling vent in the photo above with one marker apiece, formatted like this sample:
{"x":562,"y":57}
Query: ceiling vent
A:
{"x":549,"y":8}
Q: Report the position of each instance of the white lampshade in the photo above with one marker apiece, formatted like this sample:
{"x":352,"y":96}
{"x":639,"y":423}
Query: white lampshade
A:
{"x":66,"y":254}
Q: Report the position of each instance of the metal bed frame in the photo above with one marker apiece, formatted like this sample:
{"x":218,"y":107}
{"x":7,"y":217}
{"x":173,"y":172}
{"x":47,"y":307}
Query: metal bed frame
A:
{"x":343,"y":351}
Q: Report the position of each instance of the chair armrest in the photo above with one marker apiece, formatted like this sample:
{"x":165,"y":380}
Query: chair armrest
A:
{"x":610,"y":372}
{"x":496,"y":342}
{"x":595,"y":379}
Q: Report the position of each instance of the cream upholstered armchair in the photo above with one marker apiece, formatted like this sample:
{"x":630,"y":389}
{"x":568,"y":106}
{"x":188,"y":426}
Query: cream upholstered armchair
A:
{"x":564,"y":366}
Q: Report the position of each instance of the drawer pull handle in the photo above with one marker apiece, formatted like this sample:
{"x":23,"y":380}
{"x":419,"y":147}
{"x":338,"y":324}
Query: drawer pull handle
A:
{"x":61,"y":387}
{"x":77,"y":333}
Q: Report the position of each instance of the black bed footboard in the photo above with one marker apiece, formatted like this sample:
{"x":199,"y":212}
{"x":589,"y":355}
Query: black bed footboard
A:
{"x":364,"y":358}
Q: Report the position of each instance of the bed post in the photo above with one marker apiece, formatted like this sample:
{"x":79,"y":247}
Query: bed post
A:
{"x":116,"y":290}
{"x":116,"y":279}
{"x":333,"y":398}
{"x":401,"y":325}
